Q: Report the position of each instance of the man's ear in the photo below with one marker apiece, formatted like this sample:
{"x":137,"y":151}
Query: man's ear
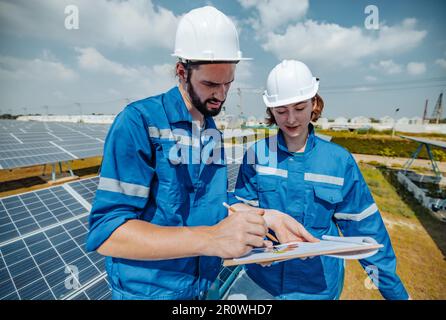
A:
{"x":181,"y":72}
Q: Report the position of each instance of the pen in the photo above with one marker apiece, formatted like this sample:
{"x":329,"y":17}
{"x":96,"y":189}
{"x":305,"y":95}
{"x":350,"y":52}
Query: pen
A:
{"x":270,"y":236}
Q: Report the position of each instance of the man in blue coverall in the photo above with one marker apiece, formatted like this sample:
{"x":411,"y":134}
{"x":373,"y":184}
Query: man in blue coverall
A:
{"x":158,"y":214}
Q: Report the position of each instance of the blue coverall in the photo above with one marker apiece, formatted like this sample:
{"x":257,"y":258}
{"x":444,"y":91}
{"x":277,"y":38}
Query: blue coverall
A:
{"x":154,"y":170}
{"x":323,"y":189}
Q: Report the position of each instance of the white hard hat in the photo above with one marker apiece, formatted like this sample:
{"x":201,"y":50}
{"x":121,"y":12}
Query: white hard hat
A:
{"x":207,"y":34}
{"x":290,"y":81}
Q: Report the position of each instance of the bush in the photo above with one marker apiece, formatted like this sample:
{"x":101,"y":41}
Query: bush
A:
{"x":386,"y":147}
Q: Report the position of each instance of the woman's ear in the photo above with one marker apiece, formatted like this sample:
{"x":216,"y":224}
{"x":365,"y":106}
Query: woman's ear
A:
{"x":315,"y":103}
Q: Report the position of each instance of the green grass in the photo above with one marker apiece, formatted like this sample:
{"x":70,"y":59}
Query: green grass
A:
{"x":385,"y":194}
{"x":383,"y":144}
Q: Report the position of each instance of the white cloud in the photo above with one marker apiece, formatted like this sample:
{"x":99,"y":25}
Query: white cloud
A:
{"x":132,"y":23}
{"x":244,"y":72}
{"x":370,"y":78}
{"x":332,"y":44}
{"x":416,"y":68}
{"x":147,"y":79}
{"x":38,"y":69}
{"x":387,"y":67}
{"x":275,"y":13}
{"x":92,"y":60}
{"x":441,"y":63}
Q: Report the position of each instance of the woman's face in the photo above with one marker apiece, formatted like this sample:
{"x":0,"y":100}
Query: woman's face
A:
{"x":293,"y":119}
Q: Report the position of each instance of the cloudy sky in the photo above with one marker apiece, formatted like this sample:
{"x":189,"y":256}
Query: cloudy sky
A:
{"x":121,"y":52}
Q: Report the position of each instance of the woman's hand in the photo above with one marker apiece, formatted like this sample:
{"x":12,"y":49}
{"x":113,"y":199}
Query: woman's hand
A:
{"x":286,"y":228}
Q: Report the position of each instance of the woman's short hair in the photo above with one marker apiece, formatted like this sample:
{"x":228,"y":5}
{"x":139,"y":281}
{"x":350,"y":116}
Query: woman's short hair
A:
{"x":317,"y":112}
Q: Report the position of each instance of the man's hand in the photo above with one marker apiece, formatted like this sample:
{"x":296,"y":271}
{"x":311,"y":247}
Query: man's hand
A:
{"x":237,"y":234}
{"x":286,"y":228}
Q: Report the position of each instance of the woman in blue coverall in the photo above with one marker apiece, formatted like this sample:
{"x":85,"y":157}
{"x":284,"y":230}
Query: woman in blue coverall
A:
{"x":316,"y":182}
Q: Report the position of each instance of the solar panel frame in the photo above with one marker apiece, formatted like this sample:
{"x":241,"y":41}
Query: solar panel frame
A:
{"x":436,"y":143}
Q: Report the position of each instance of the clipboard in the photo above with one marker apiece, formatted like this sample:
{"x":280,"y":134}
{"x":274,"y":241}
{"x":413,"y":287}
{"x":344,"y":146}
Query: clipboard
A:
{"x":337,"y":247}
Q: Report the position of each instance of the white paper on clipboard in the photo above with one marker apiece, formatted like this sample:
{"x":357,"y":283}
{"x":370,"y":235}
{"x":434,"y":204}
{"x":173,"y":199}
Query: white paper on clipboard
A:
{"x":353,"y":255}
{"x":338,"y":247}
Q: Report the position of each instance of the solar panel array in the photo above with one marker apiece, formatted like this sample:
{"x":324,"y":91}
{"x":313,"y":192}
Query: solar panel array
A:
{"x":34,"y":143}
{"x":42,"y":240}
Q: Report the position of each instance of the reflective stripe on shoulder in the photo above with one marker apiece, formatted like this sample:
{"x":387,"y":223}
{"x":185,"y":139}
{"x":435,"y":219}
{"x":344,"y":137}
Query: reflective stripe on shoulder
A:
{"x":357,"y":216}
{"x":129,"y":189}
{"x":324,"y":178}
{"x":167,"y":134}
{"x":271,"y":171}
{"x":155,"y":132}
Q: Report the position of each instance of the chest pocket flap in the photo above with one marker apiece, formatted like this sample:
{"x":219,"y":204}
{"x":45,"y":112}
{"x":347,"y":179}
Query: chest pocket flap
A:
{"x":325,"y":200}
{"x":328,"y":194}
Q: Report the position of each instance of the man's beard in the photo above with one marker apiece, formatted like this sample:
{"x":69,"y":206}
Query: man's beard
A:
{"x":201,"y":106}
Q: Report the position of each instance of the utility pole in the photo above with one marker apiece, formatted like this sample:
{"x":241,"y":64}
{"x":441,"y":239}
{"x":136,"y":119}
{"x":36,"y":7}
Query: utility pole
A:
{"x":438,"y":110}
{"x":425,"y":111}
{"x":394,"y":122}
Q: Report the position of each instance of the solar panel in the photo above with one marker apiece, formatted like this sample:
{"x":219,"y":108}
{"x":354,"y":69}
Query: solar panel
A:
{"x":99,"y":290}
{"x":32,"y":156}
{"x":26,"y":144}
{"x":83,"y":148}
{"x":23,"y":214}
{"x":38,"y":267}
{"x":34,"y":137}
{"x":86,"y":188}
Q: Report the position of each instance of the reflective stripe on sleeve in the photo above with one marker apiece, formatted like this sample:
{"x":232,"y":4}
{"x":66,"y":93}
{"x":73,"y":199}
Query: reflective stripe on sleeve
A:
{"x":357,"y":216}
{"x":129,"y":189}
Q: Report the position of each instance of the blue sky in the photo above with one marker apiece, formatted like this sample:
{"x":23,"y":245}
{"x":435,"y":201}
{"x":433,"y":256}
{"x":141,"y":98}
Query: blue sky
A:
{"x":121,"y":52}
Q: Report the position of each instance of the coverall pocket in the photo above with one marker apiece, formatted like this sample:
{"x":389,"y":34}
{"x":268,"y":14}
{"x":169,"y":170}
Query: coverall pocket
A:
{"x":269,"y":196}
{"x":267,"y":183}
{"x":325,"y":201}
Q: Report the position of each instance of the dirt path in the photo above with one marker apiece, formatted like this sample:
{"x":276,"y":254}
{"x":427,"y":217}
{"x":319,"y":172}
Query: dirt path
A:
{"x":388,"y":161}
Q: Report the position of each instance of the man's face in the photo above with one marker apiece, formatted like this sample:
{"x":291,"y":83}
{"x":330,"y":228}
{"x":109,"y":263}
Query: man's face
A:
{"x":209,"y":85}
